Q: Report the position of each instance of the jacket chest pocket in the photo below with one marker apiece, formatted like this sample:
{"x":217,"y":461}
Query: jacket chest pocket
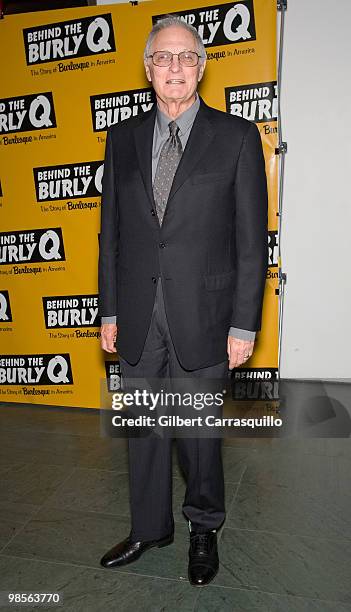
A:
{"x":211,"y":177}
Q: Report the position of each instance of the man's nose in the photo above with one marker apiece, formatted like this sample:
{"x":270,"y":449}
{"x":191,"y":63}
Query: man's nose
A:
{"x":175,"y":64}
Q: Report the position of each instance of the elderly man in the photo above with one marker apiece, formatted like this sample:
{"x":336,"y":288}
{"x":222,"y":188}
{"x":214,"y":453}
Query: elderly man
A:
{"x":182,"y":268}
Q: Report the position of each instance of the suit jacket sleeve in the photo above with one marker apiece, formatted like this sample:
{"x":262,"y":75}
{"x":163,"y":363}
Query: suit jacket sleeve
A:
{"x":251,"y":232}
{"x":108,"y":246}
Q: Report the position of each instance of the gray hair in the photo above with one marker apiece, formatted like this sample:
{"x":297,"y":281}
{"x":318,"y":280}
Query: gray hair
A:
{"x":169,"y":21}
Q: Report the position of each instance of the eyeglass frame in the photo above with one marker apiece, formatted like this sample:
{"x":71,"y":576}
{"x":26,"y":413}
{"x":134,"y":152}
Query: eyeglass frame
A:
{"x":173,"y":54}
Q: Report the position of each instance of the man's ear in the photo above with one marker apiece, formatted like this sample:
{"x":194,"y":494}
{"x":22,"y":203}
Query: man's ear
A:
{"x":147,"y":70}
{"x":201,"y":71}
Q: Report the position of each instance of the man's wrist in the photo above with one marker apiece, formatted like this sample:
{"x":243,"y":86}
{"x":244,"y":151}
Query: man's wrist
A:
{"x":112,"y":319}
{"x":242,"y":334}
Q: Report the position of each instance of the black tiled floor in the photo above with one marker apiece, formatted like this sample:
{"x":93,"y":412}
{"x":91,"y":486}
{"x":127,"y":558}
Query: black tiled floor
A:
{"x":284,"y":547}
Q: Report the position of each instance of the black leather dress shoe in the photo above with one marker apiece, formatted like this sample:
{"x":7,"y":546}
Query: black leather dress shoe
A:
{"x":203,"y":558}
{"x":128,"y":551}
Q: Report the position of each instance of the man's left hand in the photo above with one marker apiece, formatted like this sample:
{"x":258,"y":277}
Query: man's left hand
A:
{"x":239,"y":351}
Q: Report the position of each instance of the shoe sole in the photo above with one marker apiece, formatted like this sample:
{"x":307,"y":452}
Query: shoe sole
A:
{"x":164,"y":542}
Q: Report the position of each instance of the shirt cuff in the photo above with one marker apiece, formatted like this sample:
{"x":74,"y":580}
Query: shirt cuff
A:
{"x":241,"y":334}
{"x":112,"y":319}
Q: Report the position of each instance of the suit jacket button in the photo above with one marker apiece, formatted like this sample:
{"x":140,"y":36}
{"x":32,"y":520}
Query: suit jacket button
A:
{"x":153,"y":212}
{"x":162,"y":245}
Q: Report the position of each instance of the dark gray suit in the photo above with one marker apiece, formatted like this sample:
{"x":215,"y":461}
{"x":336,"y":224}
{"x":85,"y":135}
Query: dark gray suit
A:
{"x":178,"y":288}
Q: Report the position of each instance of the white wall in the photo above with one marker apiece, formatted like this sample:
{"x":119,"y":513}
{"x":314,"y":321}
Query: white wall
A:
{"x":316,"y":230}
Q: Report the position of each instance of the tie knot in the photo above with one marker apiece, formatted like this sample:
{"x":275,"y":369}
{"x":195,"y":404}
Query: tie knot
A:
{"x":173,"y":128}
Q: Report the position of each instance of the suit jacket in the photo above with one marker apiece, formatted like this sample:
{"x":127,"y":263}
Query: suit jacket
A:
{"x":211,"y":250}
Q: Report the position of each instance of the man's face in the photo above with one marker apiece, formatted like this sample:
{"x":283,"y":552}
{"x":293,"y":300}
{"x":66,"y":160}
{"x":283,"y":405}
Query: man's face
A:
{"x":174,"y":82}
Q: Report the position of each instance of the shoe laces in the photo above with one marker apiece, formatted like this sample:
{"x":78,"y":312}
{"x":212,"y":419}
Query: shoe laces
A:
{"x":200,"y":544}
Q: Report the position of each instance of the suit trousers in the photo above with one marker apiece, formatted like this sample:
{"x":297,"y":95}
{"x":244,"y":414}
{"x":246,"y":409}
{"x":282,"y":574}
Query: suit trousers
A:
{"x":150,"y":457}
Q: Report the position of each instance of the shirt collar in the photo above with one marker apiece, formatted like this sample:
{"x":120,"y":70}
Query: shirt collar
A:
{"x":184,"y":120}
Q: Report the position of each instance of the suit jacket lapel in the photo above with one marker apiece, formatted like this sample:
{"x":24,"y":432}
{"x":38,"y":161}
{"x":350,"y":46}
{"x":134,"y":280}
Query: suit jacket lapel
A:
{"x":199,"y":139}
{"x":143,"y":135}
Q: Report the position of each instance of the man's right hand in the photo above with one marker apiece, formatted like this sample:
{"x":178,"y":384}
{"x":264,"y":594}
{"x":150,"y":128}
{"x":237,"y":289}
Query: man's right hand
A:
{"x":108,"y":337}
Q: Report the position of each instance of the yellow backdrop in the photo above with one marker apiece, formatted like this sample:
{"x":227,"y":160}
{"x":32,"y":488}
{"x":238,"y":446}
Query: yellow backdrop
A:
{"x":66,"y":76}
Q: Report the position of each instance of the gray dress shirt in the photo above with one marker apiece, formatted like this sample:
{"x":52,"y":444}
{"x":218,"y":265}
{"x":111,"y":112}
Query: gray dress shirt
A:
{"x":161,"y":133}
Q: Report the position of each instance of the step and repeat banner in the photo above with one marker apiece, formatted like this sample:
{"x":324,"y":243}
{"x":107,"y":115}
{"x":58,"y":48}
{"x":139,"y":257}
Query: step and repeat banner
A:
{"x":66,"y":76}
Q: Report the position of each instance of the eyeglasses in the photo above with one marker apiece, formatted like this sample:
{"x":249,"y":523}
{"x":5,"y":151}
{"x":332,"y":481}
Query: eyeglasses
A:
{"x":164,"y":58}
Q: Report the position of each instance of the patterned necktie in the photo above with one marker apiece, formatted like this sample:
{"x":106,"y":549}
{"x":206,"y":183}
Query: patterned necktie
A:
{"x":170,"y":155}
